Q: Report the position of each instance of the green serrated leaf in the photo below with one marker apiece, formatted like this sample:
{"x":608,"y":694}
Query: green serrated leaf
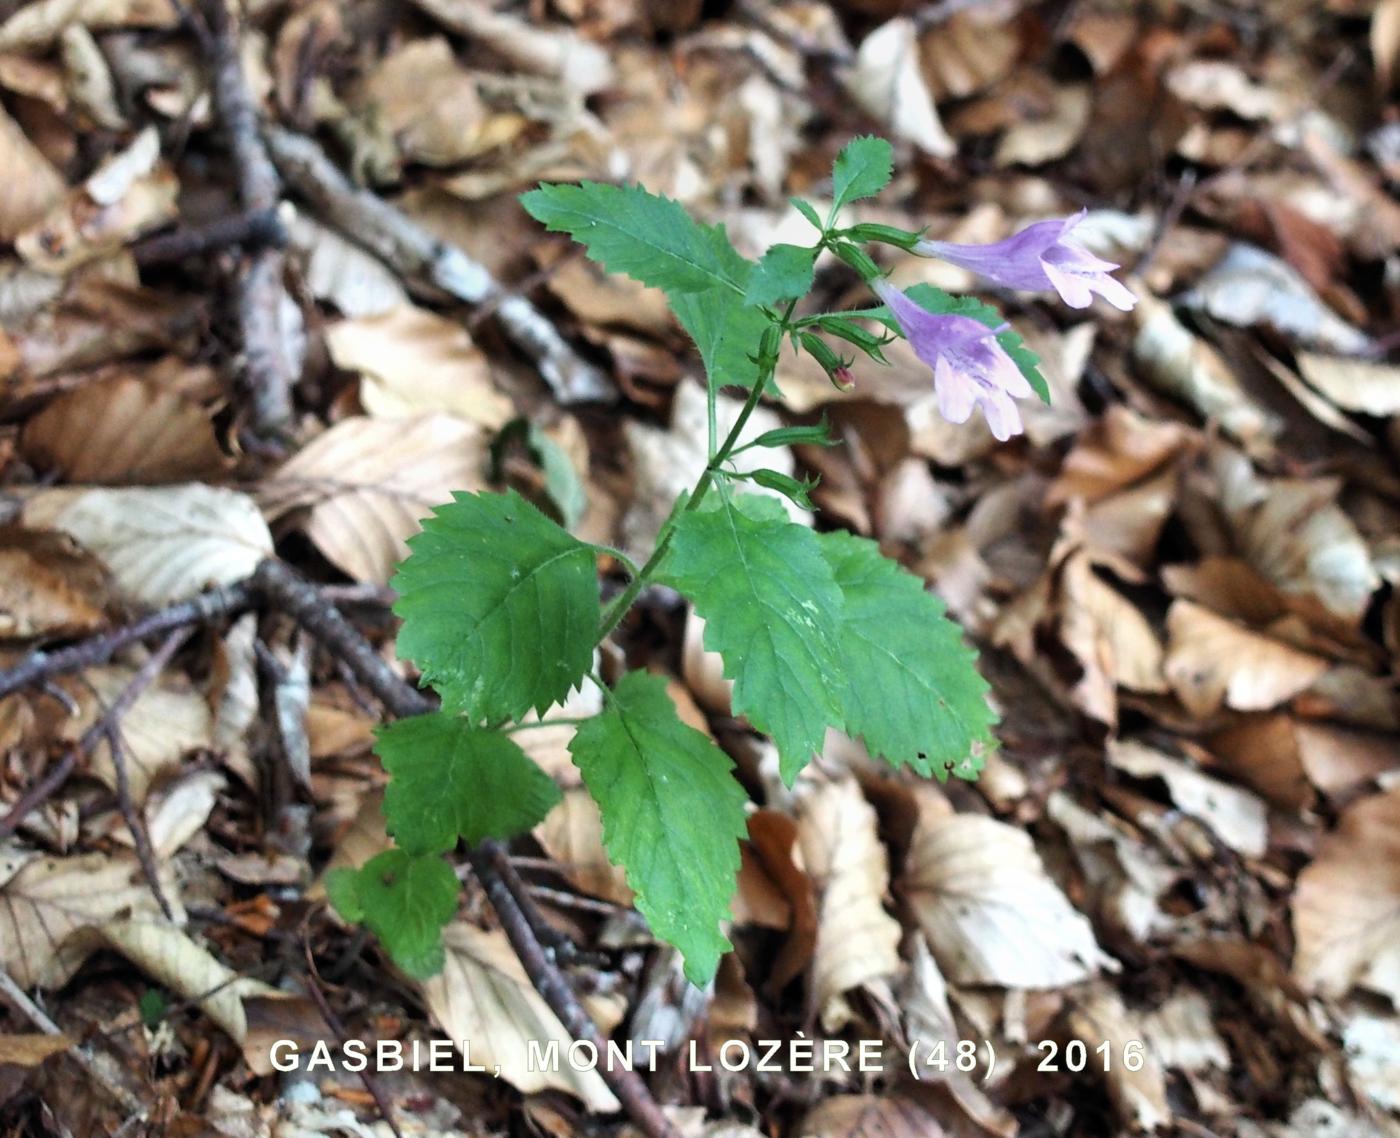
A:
{"x":784,"y":273}
{"x":862,"y":169}
{"x":726,"y":332}
{"x":912,"y":689}
{"x":770,"y":605}
{"x":807,"y":210}
{"x":499,"y":605}
{"x":645,"y":236}
{"x":449,"y":779}
{"x":672,"y":813}
{"x":406,"y":899}
{"x":940,"y":302}
{"x":343,"y":889}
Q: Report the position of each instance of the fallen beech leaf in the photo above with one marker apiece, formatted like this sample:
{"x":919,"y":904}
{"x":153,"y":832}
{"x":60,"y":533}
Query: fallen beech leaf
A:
{"x":1284,"y":757}
{"x":368,"y":482}
{"x":1139,"y":1091}
{"x":887,"y":83}
{"x":122,"y":431}
{"x":49,"y":585}
{"x":1238,"y":818}
{"x":44,"y":900}
{"x":991,"y":913}
{"x":341,"y":272}
{"x":484,"y":995}
{"x":1346,"y":907}
{"x":36,"y":26}
{"x":130,"y":193}
{"x":1050,"y":130}
{"x":968,"y":52}
{"x":164,"y":543}
{"x":1354,"y":385}
{"x":857,"y":940}
{"x":31,"y":1050}
{"x":32,"y":185}
{"x":1385,"y":44}
{"x":1181,"y":1036}
{"x":413,"y":361}
{"x":1211,"y":661}
{"x":1217,"y":84}
{"x":1116,"y":451}
{"x":901,"y":1115}
{"x":572,"y":836}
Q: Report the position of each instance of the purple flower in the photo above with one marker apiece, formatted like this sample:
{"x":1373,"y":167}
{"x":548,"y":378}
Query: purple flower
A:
{"x":969,"y":367}
{"x":1041,"y":256}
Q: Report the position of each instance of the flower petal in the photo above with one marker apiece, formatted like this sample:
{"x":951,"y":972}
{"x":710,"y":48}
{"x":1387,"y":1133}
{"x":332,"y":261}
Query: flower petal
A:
{"x":955,"y":391}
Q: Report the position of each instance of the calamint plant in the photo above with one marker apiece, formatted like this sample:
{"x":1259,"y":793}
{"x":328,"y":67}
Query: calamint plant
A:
{"x":501,"y":606}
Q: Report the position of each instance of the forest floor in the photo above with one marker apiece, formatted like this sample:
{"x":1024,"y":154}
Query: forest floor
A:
{"x":259,"y":295}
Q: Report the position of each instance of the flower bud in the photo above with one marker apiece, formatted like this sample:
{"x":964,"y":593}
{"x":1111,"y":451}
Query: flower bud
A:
{"x":837,"y":370}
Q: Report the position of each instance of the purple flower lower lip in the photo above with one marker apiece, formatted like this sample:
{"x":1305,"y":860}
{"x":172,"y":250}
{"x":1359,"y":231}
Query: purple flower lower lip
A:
{"x":1040,"y":256}
{"x":970,"y":369}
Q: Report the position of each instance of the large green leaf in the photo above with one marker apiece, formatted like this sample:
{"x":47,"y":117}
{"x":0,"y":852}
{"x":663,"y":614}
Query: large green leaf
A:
{"x":450,"y":780}
{"x":645,"y":236}
{"x":499,"y":605}
{"x":771,"y":607}
{"x":726,"y":332}
{"x":405,"y":900}
{"x":912,"y":688}
{"x":672,"y":813}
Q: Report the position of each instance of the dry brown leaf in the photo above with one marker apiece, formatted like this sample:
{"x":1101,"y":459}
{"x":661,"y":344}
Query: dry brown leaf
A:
{"x":1211,"y":660}
{"x":44,"y":900}
{"x":1049,"y":128}
{"x":872,"y":1116}
{"x":887,"y":83}
{"x":129,"y":193}
{"x":1186,"y":367}
{"x":572,"y":836}
{"x":1385,"y":42}
{"x":1372,"y":1047}
{"x":123,"y":431}
{"x":36,"y":26}
{"x":339,"y":271}
{"x":991,"y":913}
{"x":484,"y":995}
{"x":774,"y":844}
{"x":413,"y":361}
{"x":48,"y":585}
{"x":32,"y":185}
{"x":164,"y":543}
{"x":1354,"y":385}
{"x":1346,"y":907}
{"x":968,"y":52}
{"x":31,"y":1050}
{"x":1217,"y":84}
{"x":1116,"y":451}
{"x":1098,"y":1017}
{"x":857,"y":940}
{"x":1238,"y":818}
{"x":1181,"y":1036}
{"x":368,"y":482}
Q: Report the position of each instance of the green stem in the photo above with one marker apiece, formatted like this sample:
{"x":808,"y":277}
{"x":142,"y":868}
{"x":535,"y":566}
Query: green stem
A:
{"x":613,"y":615}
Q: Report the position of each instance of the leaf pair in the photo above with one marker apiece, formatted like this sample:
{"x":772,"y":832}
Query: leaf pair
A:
{"x":821,"y":631}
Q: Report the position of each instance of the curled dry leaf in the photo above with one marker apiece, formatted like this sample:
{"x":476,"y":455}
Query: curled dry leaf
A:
{"x":1346,"y":908}
{"x":905,"y":1115}
{"x":1354,"y":385}
{"x":36,"y":27}
{"x":572,"y":836}
{"x":1098,"y":1017}
{"x":162,"y":544}
{"x":887,"y":82}
{"x":49,"y":586}
{"x":131,"y":193}
{"x":1113,"y":453}
{"x":484,"y":995}
{"x":123,"y":430}
{"x":1211,"y":660}
{"x":1186,"y":367}
{"x":32,"y":185}
{"x":339,"y":271}
{"x":1181,"y":1034}
{"x":413,"y":361}
{"x":990,"y":912}
{"x":1238,"y":818}
{"x":367,"y":482}
{"x":45,"y":900}
{"x":857,"y":940}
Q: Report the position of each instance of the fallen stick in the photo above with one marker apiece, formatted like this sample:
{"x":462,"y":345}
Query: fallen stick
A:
{"x":413,"y":252}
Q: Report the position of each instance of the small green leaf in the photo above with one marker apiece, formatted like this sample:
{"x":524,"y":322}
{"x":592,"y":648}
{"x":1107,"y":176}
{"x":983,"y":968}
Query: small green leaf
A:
{"x":343,"y":889}
{"x":672,"y":813}
{"x":784,"y":273}
{"x":770,"y":605}
{"x":817,"y":434}
{"x":153,"y":1007}
{"x":862,"y":169}
{"x":406,"y":900}
{"x":450,"y":780}
{"x":936,"y":300}
{"x":499,"y":605}
{"x":645,"y":236}
{"x":784,"y":484}
{"x":726,"y":331}
{"x":912,"y":688}
{"x":561,"y":480}
{"x":807,"y":210}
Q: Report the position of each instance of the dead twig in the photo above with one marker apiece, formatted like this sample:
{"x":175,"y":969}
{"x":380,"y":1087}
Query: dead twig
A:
{"x":38,"y":667}
{"x":261,"y":298}
{"x":253,"y":230}
{"x":288,"y":592}
{"x":415,"y":253}
{"x":106,"y":728}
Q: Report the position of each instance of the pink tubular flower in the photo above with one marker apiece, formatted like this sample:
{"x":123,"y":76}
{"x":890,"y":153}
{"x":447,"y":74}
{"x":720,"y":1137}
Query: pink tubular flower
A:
{"x":969,"y":367}
{"x":1041,"y":256}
